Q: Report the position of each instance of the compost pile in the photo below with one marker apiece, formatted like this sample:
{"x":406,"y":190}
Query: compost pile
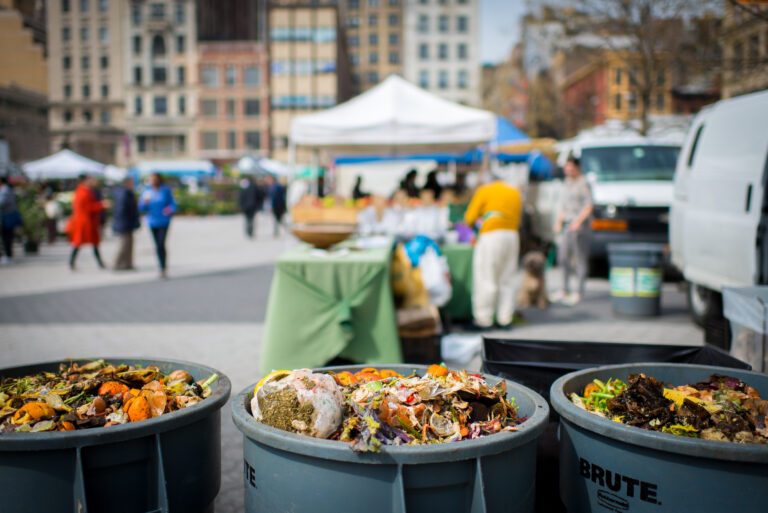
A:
{"x":721,"y":408}
{"x":93,"y":395}
{"x":375,"y":407}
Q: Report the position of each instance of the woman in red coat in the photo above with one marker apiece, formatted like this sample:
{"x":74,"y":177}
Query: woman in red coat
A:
{"x":83,"y":226}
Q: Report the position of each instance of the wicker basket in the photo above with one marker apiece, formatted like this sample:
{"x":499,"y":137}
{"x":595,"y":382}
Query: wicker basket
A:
{"x":323,"y":235}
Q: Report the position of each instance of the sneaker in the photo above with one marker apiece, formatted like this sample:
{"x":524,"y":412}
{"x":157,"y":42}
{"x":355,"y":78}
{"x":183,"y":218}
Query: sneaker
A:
{"x":557,"y":296}
{"x":572,"y":299}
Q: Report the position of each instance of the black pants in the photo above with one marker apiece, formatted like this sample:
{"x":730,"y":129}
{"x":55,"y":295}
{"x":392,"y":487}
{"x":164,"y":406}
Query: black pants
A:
{"x":249,"y":223}
{"x":278,"y":221}
{"x":159,"y":233}
{"x":7,"y":235}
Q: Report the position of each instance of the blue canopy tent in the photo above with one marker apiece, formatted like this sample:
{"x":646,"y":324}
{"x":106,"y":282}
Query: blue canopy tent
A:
{"x":179,"y":168}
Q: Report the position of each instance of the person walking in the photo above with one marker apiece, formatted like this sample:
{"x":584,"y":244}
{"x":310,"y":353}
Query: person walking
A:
{"x":9,"y":219}
{"x":84,"y":225}
{"x":499,"y":207}
{"x":250,"y":201}
{"x":125,"y":220}
{"x":573,"y":220}
{"x":278,"y":200}
{"x":158,"y":204}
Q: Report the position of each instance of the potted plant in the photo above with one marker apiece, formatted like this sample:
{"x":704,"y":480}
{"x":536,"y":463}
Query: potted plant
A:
{"x":33,"y":220}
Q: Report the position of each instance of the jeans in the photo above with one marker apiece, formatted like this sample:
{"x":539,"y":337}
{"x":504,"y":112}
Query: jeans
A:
{"x":158,"y":234}
{"x":574,"y":257}
{"x":7,"y":236}
{"x":249,"y":223}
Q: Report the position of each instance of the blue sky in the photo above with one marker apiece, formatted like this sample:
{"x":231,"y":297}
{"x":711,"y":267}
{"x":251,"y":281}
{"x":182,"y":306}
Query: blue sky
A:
{"x":499,"y":28}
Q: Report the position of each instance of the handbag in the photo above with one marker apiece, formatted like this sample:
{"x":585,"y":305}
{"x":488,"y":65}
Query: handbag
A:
{"x":11,"y":220}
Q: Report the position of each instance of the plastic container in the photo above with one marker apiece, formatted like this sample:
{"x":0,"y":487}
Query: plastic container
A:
{"x":636,"y":275}
{"x":290,"y":472}
{"x":608,"y":466}
{"x":747,"y":311}
{"x":167,"y":464}
{"x":421,"y":349}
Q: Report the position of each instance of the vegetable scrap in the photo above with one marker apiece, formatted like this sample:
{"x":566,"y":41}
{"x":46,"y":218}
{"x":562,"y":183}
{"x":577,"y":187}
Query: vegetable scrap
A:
{"x":93,"y":395}
{"x":372,"y":407}
{"x":721,"y":408}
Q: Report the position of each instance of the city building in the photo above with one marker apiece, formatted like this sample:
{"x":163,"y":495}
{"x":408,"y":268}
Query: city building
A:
{"x":231,"y":20}
{"x":233,"y":118}
{"x":160,"y":63}
{"x":441,"y":48}
{"x":745,"y":48}
{"x":23,"y":81}
{"x":374,"y":30}
{"x":309,"y":66}
{"x":85,"y":76}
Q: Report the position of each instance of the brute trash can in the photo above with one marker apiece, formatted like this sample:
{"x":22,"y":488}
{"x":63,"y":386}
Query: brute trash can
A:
{"x":168,"y":464}
{"x":747,"y":311}
{"x":291,"y":472}
{"x":609,"y":466}
{"x":636,"y":271}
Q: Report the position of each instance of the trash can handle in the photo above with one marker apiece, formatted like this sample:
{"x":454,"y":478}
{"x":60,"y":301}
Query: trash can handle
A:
{"x":81,"y":504}
{"x":478,"y":497}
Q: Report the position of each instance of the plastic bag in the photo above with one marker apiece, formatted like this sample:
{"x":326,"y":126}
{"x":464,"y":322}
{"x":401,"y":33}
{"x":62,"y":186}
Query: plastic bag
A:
{"x":436,"y":277}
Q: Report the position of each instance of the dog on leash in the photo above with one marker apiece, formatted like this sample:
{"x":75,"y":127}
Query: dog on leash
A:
{"x":533,"y":289}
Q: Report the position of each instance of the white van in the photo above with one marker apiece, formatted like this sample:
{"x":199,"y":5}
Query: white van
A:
{"x":718,"y":216}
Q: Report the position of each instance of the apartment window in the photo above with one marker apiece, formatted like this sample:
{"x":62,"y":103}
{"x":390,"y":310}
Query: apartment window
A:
{"x":66,"y":62}
{"x":252,"y":76}
{"x":423,"y":51}
{"x":632,"y":77}
{"x":65,"y":6}
{"x":461,"y":2}
{"x":103,"y":5}
{"x":210,"y":107}
{"x":136,"y":14}
{"x":393,"y":3}
{"x":461,"y":51}
{"x":394,"y":39}
{"x":138,"y":105}
{"x":423,"y":23}
{"x":373,"y":58}
{"x":230,"y":76}
{"x":617,"y":101}
{"x":442,"y":79}
{"x":373,"y":3}
{"x":84,"y":34}
{"x":182,"y":106}
{"x":181,"y":143}
{"x":86,"y":91}
{"x":67,"y":116}
{"x":231,"y":108}
{"x":159,"y":75}
{"x":104,"y":91}
{"x":373,"y":77}
{"x":106,"y":117}
{"x":252,"y":107}
{"x":180,"y":44}
{"x":66,"y":34}
{"x":231,"y":140}
{"x":462,"y":79}
{"x":161,"y":105}
{"x":442,"y":23}
{"x":353,"y":4}
{"x":85,"y":62}
{"x":157,"y":11}
{"x":210,"y":76}
{"x":84,"y":6}
{"x":442,"y":2}
{"x":661,"y":77}
{"x":210,"y":140}
{"x":67,"y":91}
{"x":353,"y":41}
{"x":87,"y":116}
{"x":442,"y":51}
{"x":181,"y":75}
{"x":103,"y":35}
{"x":424,"y":79}
{"x":354,"y":59}
{"x":181,"y":13}
{"x":373,"y":39}
{"x":394,"y":57}
{"x":617,"y":75}
{"x":158,"y":45}
{"x":104,"y":62}
{"x":738,"y":57}
{"x":393,"y":20}
{"x":353,"y":21}
{"x":632,"y":102}
{"x":423,"y":2}
{"x":462,"y":23}
{"x":373,"y":20}
{"x":660,"y":102}
{"x":137,"y":75}
{"x":753,"y":50}
{"x":253,"y":140}
{"x":136,"y":45}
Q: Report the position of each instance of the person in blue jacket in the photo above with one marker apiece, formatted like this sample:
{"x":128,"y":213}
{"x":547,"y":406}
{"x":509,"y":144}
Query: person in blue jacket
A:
{"x":125,"y":220}
{"x":158,"y":204}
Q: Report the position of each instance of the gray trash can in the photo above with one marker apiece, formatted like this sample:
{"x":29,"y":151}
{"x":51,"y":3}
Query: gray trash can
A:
{"x":291,"y":472}
{"x":167,"y":464}
{"x":609,"y":466}
{"x":747,"y":311}
{"x":636,"y":272}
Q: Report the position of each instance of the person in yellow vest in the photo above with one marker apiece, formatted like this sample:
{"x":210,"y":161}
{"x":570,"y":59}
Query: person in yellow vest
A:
{"x":499,"y":207}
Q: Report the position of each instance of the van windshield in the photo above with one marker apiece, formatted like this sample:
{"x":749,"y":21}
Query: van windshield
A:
{"x":618,"y":163}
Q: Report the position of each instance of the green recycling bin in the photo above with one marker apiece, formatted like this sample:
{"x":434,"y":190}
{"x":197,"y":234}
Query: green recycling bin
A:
{"x":636,"y":276}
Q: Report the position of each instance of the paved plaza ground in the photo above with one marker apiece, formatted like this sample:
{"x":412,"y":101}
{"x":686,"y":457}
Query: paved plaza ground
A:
{"x":212,"y":308}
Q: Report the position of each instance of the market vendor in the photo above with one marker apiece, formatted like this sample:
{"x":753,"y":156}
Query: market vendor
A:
{"x":498,"y":206}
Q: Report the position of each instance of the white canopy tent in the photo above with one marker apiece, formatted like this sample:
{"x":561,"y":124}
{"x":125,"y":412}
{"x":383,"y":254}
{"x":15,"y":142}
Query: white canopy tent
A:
{"x":63,"y":164}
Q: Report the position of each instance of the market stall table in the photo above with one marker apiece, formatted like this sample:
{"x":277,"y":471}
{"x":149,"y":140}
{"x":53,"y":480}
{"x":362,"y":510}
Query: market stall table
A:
{"x":459,"y":257}
{"x":328,"y":304}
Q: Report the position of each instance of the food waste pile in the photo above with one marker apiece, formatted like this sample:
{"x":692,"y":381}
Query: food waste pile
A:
{"x":93,"y":395}
{"x":721,"y":408}
{"x":372,"y":408}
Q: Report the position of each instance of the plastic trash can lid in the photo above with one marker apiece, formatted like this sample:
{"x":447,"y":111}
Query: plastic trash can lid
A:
{"x":636,"y":247}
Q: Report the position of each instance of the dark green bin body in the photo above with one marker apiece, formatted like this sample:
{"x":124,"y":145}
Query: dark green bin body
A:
{"x":290,"y":472}
{"x":636,"y":276}
{"x":608,"y":466}
{"x":169,"y":464}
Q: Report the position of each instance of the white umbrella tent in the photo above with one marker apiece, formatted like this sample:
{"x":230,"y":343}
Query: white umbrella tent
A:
{"x":63,"y":164}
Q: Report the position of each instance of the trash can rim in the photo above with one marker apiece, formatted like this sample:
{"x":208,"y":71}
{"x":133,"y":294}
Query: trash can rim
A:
{"x":432,"y":453}
{"x":102,"y":435}
{"x":633,"y":247}
{"x":729,"y":451}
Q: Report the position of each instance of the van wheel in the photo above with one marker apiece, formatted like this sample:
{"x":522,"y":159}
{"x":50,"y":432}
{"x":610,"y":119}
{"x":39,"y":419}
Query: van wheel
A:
{"x":703,"y":303}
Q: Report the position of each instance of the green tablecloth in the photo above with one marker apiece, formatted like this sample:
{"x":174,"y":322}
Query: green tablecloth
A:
{"x":332,"y":305}
{"x":459,"y":257}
